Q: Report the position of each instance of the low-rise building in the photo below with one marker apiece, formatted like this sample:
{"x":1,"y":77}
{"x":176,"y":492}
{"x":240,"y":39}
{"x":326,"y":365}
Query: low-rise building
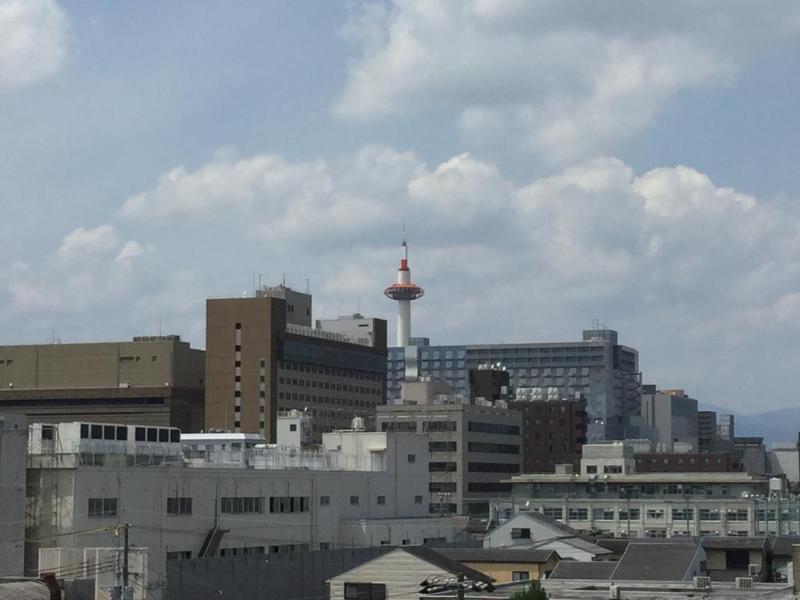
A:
{"x":474,"y":449}
{"x":399,"y":575}
{"x":372,"y":489}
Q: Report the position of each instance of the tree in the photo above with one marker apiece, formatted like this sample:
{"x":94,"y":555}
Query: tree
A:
{"x":534,"y":592}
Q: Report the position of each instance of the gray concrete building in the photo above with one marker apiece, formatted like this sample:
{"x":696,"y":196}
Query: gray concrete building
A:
{"x":13,"y":443}
{"x":152,"y":380}
{"x":357,"y":329}
{"x":361,"y":489}
{"x":597,"y":369}
{"x":672,"y":414}
{"x":473,"y":449}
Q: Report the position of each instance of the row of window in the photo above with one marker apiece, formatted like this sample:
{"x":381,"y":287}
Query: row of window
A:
{"x":327,"y":385}
{"x":120,"y":433}
{"x":332,"y":400}
{"x":678,"y":514}
{"x":303,"y":368}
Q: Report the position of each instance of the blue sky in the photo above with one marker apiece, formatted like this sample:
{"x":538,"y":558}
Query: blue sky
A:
{"x":554,"y":162}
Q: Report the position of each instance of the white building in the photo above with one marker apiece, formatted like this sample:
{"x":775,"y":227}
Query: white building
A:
{"x":179,"y":511}
{"x":13,"y":435}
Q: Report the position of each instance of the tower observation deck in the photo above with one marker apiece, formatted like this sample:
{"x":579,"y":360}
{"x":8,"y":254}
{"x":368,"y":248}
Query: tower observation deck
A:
{"x":403,"y":291}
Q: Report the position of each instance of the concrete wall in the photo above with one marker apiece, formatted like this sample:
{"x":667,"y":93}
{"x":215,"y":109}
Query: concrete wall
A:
{"x":13,"y":443}
{"x":277,"y":577}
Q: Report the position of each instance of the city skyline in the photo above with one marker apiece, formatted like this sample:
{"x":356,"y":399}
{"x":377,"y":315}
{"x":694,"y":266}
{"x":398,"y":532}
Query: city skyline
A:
{"x":552,"y":168}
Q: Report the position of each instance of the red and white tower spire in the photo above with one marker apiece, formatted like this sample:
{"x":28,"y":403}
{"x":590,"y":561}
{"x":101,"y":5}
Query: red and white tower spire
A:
{"x":403,"y":291}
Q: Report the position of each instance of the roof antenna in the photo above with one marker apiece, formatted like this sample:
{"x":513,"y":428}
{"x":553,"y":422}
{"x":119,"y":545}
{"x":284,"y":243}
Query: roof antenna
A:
{"x":308,"y":285}
{"x":283,"y":280}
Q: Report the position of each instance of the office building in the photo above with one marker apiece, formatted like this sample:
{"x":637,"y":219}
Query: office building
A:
{"x":359,"y":489}
{"x":554,"y":431}
{"x":706,"y":430}
{"x":152,"y":380}
{"x":262,"y":357}
{"x":473,"y":449}
{"x":597,"y":369}
{"x":673,"y":416}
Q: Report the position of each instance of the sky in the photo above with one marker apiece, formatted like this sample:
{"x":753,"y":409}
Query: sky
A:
{"x":553,"y":162}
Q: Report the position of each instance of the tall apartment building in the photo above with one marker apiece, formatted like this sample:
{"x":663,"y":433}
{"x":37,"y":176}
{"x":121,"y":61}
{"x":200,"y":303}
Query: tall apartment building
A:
{"x":473,"y":449}
{"x":263,"y":356}
{"x":554,"y":431}
{"x":156,"y":380}
{"x":672,"y":414}
{"x":597,"y":369}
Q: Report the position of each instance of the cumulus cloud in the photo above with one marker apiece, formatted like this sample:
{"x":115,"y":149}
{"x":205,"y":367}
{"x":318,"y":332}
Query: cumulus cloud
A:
{"x":683,"y":266}
{"x":565,"y":78}
{"x":33,"y":41}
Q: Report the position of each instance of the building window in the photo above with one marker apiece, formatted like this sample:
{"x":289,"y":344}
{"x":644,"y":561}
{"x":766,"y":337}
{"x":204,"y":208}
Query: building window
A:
{"x":179,"y":506}
{"x":521,"y":533}
{"x":578,"y":514}
{"x":381,"y":500}
{"x":555,"y":513}
{"x":520,"y":575}
{"x":243,"y":505}
{"x":179,"y":555}
{"x":353,"y":500}
{"x":324,"y":545}
{"x":102,"y":507}
{"x":591,"y":469}
{"x":364,"y":591}
{"x":417,"y":499}
{"x":412,"y":458}
{"x":288,"y":504}
{"x":324,"y":500}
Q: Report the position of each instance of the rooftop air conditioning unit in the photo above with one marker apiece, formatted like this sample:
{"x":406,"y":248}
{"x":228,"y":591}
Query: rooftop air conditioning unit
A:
{"x":701,"y":583}
{"x":743,"y":583}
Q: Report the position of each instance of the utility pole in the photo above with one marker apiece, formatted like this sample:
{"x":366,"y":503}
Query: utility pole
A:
{"x":460,"y":586}
{"x":125,"y":572}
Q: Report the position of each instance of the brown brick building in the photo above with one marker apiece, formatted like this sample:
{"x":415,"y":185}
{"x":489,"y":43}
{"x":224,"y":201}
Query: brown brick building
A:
{"x":554,"y":432}
{"x":262,"y":356}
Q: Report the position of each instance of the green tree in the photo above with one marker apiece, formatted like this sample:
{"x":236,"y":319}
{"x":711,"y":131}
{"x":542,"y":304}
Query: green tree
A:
{"x":533,"y":592}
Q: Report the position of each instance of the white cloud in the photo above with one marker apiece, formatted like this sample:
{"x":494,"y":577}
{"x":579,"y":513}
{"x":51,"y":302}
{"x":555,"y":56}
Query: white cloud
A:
{"x":565,"y":79}
{"x":33,"y":41}
{"x":83,"y":243}
{"x":687,"y":269}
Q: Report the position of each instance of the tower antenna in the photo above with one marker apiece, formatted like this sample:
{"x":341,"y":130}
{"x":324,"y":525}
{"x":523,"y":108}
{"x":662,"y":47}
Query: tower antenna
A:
{"x":403,"y":291}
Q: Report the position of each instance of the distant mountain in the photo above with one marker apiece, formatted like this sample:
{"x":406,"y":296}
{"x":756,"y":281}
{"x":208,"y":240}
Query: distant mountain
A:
{"x":774,"y":426}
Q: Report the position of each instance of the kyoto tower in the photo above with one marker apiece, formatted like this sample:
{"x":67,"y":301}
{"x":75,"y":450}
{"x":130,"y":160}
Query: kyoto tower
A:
{"x":404,"y":292}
